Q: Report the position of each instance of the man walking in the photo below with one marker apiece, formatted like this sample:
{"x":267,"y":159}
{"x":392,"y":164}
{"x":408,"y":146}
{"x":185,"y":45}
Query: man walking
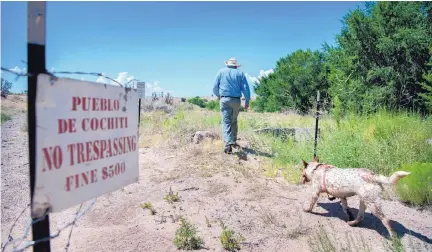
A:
{"x":229,"y":85}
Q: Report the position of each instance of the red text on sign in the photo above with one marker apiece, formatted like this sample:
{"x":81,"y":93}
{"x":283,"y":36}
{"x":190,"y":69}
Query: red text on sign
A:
{"x":100,"y":149}
{"x":113,"y":170}
{"x":106,"y":123}
{"x":81,"y":179}
{"x":94,"y":104}
{"x":53,"y":158}
{"x":66,"y":126}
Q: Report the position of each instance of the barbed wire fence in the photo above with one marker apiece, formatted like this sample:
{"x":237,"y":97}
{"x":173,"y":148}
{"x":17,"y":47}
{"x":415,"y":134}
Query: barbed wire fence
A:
{"x":54,"y":73}
{"x":23,"y":242}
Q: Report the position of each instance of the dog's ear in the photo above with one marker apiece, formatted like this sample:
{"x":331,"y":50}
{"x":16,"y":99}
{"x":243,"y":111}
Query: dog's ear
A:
{"x":305,"y":164}
{"x":316,"y":159}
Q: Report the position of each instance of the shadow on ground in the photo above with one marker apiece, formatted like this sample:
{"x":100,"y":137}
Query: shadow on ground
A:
{"x":370,"y":222}
{"x":244,"y":152}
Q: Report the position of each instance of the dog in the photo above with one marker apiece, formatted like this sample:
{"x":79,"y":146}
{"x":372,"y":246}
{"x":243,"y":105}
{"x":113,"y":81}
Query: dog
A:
{"x":347,"y":182}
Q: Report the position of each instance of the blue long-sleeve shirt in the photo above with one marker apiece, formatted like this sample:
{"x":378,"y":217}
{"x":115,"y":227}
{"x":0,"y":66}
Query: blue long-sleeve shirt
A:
{"x":231,"y":82}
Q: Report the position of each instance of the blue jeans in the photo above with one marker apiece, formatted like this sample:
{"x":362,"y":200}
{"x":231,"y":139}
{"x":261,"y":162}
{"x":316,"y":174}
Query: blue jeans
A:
{"x":230,"y":108}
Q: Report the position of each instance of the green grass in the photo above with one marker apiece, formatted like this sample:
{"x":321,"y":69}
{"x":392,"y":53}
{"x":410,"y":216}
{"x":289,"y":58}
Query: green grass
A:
{"x":383,"y":142}
{"x":5,"y":117}
{"x":416,"y":188}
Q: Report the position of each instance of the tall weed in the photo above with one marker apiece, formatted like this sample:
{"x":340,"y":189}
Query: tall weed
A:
{"x":382,"y":142}
{"x":416,"y":188}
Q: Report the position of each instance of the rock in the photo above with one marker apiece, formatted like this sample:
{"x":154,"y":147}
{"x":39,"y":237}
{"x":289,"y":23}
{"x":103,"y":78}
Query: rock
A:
{"x":199,"y":136}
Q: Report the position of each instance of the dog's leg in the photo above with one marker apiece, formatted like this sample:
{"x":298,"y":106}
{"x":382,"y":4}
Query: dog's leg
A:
{"x":312,"y":202}
{"x":331,"y":198}
{"x":377,"y":211}
{"x":360,"y":214}
{"x":344,"y":204}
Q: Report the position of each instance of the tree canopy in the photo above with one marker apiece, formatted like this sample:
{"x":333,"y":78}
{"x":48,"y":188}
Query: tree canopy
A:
{"x":382,"y":58}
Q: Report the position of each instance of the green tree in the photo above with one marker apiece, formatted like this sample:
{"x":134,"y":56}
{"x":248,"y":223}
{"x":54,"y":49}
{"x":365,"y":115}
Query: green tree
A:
{"x":5,"y":87}
{"x":426,"y":96}
{"x":385,"y":47}
{"x":294,"y":82}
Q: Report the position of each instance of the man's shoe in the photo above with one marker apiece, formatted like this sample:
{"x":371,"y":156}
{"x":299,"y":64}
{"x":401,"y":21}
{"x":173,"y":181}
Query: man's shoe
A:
{"x":228,"y":149}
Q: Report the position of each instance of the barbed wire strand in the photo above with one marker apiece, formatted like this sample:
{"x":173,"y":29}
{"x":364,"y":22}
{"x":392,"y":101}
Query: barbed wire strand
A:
{"x":29,"y":225}
{"x":73,"y":225}
{"x":18,"y":75}
{"x":10,"y":238}
{"x":32,"y":243}
{"x":85,"y":73}
{"x":130,"y":82}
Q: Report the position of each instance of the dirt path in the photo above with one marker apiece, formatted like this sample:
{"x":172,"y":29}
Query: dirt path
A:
{"x":267,"y":212}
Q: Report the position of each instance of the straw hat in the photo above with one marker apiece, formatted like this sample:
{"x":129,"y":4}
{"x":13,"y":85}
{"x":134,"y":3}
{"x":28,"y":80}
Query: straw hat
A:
{"x":232,"y":62}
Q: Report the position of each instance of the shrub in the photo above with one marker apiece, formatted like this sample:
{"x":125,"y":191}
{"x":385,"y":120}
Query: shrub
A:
{"x":171,"y":197}
{"x":252,"y":105}
{"x":5,"y":87}
{"x":148,"y":206}
{"x":5,"y":117}
{"x":198,"y":101}
{"x":229,"y":239}
{"x":186,"y":237}
{"x":337,"y":110}
{"x":183,"y":99}
{"x":154,"y":96}
{"x":168,"y":99}
{"x":416,"y":188}
{"x":213,"y":105}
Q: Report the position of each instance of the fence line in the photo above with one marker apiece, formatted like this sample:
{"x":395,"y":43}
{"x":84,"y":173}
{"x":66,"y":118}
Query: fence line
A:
{"x":53,"y":74}
{"x":19,"y":244}
{"x":23,"y":246}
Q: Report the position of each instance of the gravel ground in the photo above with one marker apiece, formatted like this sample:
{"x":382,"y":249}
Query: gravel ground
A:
{"x":15,"y":191}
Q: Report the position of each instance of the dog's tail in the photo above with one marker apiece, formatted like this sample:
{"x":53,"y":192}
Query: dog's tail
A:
{"x":393,"y":179}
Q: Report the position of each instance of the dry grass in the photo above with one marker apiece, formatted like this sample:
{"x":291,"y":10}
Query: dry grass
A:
{"x":216,"y":189}
{"x":324,"y":240}
{"x":14,"y":104}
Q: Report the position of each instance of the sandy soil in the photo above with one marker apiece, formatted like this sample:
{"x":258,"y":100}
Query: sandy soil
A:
{"x":267,"y":212}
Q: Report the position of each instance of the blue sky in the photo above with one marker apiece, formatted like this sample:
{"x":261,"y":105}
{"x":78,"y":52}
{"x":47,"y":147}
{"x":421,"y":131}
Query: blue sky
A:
{"x":173,"y":46}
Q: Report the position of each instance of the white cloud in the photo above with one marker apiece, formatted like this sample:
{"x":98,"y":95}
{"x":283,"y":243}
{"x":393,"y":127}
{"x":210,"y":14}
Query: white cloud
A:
{"x":18,"y":69}
{"x":123,"y":78}
{"x":154,"y":87}
{"x":263,"y":73}
{"x":101,"y":79}
{"x":251,"y":79}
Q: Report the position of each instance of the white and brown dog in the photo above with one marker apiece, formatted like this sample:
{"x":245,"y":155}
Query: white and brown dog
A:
{"x":347,"y":182}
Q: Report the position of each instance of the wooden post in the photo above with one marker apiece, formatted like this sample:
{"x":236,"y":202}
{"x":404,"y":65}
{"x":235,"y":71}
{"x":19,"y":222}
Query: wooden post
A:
{"x":36,"y":65}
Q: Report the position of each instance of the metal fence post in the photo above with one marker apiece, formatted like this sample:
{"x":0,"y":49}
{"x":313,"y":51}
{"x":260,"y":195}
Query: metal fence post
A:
{"x":316,"y":122}
{"x":36,"y":65}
